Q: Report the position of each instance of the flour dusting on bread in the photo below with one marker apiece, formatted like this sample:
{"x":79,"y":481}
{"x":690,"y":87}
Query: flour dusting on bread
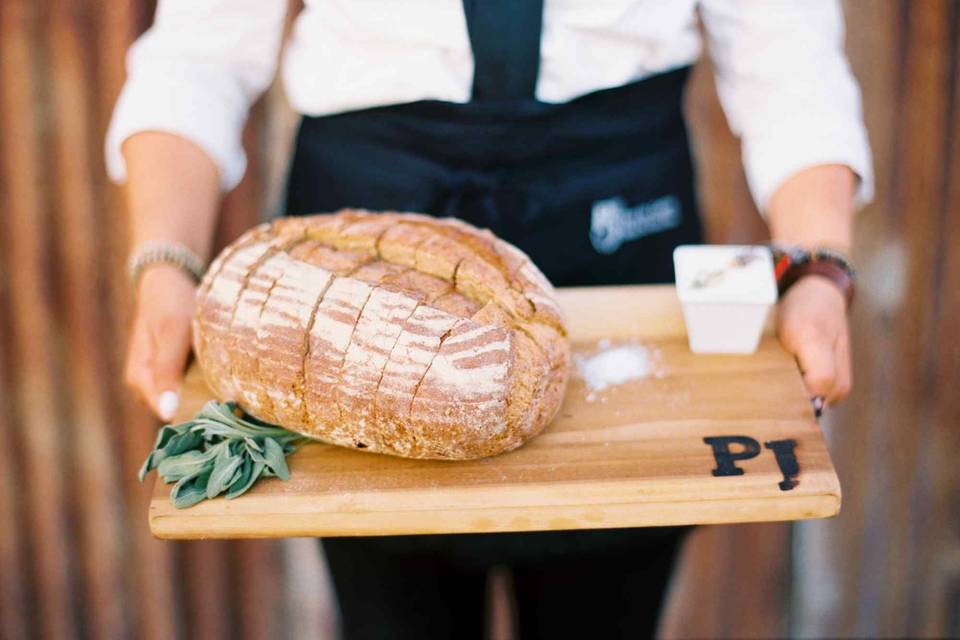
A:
{"x":390,"y":332}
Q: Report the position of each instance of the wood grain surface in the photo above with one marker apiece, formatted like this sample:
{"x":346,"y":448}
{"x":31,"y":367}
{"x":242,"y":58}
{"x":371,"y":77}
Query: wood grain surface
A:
{"x":628,"y":456}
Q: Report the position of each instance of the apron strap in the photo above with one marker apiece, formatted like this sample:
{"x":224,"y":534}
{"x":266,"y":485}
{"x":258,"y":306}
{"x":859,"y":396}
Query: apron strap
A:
{"x":505,"y":38}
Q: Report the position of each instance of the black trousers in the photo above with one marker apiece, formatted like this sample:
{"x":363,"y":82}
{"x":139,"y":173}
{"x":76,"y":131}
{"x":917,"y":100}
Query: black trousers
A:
{"x":597,"y":191}
{"x":583,"y":584}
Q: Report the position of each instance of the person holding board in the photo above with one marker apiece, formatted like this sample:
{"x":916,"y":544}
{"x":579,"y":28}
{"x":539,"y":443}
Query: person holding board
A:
{"x":557,"y":124}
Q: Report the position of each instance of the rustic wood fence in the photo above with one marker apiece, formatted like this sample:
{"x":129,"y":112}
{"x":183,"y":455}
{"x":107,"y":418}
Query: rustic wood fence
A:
{"x":76,"y":559}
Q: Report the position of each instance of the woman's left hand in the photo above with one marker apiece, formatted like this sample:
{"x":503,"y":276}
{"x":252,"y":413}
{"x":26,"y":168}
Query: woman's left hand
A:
{"x":812,"y":325}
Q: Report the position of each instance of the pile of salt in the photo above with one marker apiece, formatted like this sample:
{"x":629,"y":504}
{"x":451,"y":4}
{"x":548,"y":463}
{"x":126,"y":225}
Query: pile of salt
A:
{"x":613,"y":366}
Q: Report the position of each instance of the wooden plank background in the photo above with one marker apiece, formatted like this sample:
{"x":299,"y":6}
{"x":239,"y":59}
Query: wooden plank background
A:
{"x":76,"y":559}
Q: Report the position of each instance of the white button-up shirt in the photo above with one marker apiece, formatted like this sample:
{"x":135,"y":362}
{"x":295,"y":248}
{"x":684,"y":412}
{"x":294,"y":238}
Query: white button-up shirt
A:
{"x":782,"y":75}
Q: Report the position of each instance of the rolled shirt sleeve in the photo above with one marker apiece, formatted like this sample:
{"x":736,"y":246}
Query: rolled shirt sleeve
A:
{"x":787,"y":90}
{"x":194,"y":74}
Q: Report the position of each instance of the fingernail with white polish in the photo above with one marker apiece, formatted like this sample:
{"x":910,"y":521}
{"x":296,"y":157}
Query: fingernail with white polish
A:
{"x":167,"y":403}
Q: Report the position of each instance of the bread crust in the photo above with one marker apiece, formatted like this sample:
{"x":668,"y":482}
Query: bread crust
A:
{"x":391,"y":332}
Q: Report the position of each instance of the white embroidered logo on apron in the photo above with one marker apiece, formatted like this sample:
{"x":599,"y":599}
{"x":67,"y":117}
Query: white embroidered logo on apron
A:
{"x":612,"y":222}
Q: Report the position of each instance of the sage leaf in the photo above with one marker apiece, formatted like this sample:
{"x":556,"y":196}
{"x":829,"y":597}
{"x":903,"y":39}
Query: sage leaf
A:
{"x":224,"y":466}
{"x":247,"y":478}
{"x":276,"y":459}
{"x":257,"y":456}
{"x":238,"y":473}
{"x":189,"y":491}
{"x":168,"y":443}
{"x":186,"y":464}
{"x":164,"y":435}
{"x":182,"y":442}
{"x":149,"y":464}
{"x":242,"y":476}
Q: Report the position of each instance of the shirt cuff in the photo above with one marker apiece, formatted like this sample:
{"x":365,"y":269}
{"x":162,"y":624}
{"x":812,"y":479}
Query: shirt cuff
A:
{"x":769,"y":160}
{"x":200,"y":107}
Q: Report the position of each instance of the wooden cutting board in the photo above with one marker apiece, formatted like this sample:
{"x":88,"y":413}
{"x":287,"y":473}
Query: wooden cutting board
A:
{"x":708,"y":439}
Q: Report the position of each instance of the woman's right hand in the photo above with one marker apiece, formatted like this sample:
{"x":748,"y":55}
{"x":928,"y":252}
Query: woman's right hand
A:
{"x":160,"y":338}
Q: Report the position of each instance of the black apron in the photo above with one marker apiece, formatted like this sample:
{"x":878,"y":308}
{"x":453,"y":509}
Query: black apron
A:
{"x":598,"y":190}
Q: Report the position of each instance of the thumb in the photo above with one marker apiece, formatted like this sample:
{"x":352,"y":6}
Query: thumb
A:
{"x":818,"y":366}
{"x":171,"y":349}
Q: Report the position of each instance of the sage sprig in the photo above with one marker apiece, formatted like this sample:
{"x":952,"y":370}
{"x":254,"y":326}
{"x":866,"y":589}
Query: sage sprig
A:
{"x":220,"y":450}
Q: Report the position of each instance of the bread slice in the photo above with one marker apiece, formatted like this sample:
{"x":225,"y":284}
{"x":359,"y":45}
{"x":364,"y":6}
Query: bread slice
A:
{"x":282,"y":338}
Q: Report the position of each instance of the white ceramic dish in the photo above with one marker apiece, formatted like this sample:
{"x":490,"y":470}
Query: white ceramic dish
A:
{"x":726,"y":292}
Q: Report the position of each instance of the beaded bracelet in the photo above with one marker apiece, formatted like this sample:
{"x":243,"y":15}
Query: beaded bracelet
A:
{"x":792,"y":263}
{"x":164,"y":252}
